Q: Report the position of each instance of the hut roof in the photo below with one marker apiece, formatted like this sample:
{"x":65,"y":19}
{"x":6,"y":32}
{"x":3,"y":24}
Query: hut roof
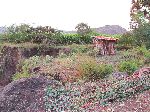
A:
{"x":105,"y":38}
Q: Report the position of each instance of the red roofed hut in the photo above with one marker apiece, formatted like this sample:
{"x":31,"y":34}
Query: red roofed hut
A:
{"x":105,"y":44}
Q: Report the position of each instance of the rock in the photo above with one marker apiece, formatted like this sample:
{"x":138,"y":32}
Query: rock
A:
{"x":119,"y":75}
{"x":26,"y":95}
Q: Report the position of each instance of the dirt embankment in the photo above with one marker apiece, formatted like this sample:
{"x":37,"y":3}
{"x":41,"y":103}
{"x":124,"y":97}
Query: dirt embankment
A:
{"x":10,"y":57}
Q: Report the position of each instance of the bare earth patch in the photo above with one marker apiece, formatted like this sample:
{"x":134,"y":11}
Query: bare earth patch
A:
{"x":138,"y":103}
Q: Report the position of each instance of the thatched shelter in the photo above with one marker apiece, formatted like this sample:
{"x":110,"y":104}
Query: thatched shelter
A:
{"x":105,"y":44}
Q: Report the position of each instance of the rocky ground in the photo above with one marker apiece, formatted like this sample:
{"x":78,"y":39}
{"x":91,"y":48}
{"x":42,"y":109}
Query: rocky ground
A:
{"x":28,"y":95}
{"x":138,"y":103}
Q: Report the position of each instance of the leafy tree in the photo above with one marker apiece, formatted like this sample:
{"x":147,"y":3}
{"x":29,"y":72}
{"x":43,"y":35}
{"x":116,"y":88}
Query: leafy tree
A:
{"x":126,"y":39}
{"x":27,"y":33}
{"x":140,"y":13}
{"x":83,"y":29}
{"x":15,"y":29}
{"x":141,"y":35}
{"x":42,"y":29}
{"x":44,"y":34}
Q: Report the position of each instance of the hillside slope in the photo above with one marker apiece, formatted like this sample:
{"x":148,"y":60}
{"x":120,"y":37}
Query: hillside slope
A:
{"x":2,"y":29}
{"x":110,"y":29}
{"x":107,"y":29}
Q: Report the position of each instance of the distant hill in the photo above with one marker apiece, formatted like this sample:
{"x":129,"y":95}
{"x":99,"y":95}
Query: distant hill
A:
{"x":2,"y":29}
{"x":110,"y":29}
{"x":70,"y":32}
{"x":107,"y":29}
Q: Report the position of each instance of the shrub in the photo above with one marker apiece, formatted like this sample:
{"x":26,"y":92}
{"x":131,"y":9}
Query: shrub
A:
{"x":126,"y":40}
{"x":76,"y":48}
{"x":143,"y":54}
{"x":16,"y":37}
{"x":128,"y":66}
{"x":36,"y":61}
{"x":25,"y":66}
{"x":142,"y":51}
{"x":93,"y":52}
{"x":21,"y":75}
{"x":92,"y":71}
{"x":25,"y":33}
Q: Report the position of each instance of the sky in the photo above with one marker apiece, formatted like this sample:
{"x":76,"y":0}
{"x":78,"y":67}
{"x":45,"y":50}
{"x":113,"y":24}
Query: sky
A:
{"x":65,"y":14}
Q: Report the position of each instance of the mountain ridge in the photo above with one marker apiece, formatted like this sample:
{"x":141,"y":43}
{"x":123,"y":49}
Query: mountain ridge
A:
{"x":107,"y":29}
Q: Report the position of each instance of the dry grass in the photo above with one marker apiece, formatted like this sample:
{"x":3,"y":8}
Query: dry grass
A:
{"x":21,"y":45}
{"x":68,"y":67}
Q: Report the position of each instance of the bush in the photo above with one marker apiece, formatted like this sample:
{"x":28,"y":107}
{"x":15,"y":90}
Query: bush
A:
{"x":126,"y":40}
{"x":25,"y":66}
{"x":16,"y":37}
{"x":128,"y":66}
{"x":92,"y":71}
{"x":93,"y":52}
{"x":26,"y":33}
{"x":143,"y":52}
{"x":21,"y":75}
{"x":76,"y":48}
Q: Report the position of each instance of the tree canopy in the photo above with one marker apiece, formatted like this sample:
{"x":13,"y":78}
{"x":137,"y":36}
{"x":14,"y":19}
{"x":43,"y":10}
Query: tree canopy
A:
{"x":83,"y":29}
{"x":140,"y":13}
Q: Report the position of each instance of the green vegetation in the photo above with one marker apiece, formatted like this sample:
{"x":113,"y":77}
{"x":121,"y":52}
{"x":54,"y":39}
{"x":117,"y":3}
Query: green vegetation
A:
{"x":18,"y":76}
{"x":80,"y":63}
{"x":139,"y":13}
{"x":79,"y":95}
{"x":47,"y":35}
{"x":86,"y":65}
{"x":92,"y":71}
{"x":142,"y":35}
{"x":83,"y":29}
{"x":87,"y":78}
{"x":126,"y":40}
{"x":128,"y":66}
{"x":26,"y":66}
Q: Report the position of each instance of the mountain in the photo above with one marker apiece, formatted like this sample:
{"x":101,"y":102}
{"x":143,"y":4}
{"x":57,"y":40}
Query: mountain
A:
{"x":2,"y":29}
{"x":110,"y":29}
{"x":70,"y":32}
{"x":107,"y":29}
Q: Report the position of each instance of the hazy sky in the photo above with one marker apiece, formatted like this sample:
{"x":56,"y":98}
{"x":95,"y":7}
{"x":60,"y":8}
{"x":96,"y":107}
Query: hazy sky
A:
{"x":65,"y":14}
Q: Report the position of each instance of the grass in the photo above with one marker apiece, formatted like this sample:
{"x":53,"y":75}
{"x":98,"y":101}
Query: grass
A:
{"x":79,"y":63}
{"x":21,"y":45}
{"x":77,"y":69}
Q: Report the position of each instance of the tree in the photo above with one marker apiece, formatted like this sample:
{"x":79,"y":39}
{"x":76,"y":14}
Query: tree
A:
{"x":20,"y":28}
{"x":83,"y":29}
{"x":126,"y":39}
{"x":141,"y":35}
{"x":140,"y":13}
{"x":44,"y":34}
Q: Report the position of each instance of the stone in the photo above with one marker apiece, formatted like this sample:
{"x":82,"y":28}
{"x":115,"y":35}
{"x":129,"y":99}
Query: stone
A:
{"x":26,"y":95}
